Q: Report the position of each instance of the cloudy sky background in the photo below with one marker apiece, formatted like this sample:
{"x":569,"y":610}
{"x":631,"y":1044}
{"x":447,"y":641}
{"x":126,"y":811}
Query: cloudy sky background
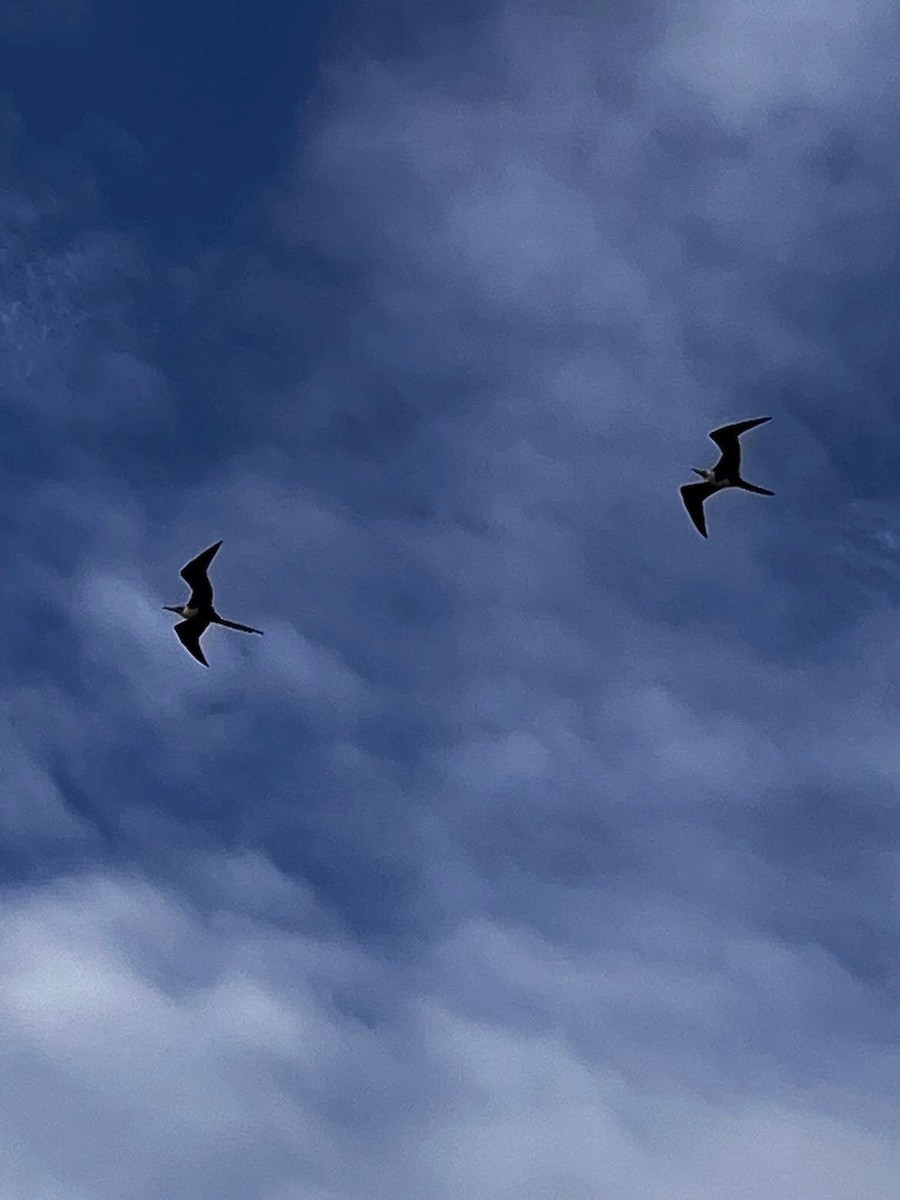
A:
{"x":541,"y":850}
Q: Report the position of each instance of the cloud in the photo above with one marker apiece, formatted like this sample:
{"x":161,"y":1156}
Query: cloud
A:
{"x":539,"y":849}
{"x":64,"y":324}
{"x":517,"y":1069}
{"x":745,"y":60}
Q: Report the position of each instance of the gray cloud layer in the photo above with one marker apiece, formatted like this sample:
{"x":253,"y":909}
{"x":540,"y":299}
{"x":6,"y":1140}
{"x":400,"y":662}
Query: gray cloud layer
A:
{"x":540,"y":850}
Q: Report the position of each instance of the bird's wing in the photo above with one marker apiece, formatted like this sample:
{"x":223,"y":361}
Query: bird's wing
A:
{"x":726,"y":438}
{"x":194,"y":575}
{"x":693,"y":495}
{"x":189,"y":633}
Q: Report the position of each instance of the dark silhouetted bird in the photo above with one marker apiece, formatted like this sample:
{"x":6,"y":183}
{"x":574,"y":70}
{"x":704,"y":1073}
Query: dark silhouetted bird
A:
{"x":199,"y":613}
{"x":725,"y":474}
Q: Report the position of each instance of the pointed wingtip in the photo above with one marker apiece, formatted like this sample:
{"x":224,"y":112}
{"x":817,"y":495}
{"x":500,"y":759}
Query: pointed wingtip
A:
{"x":694,"y":511}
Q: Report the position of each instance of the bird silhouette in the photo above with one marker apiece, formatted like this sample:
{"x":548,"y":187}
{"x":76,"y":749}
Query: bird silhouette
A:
{"x":725,"y":474}
{"x":199,"y":612}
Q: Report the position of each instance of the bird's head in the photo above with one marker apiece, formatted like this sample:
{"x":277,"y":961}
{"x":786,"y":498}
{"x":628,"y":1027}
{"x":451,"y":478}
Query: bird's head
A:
{"x":707,"y":475}
{"x":175,"y":608}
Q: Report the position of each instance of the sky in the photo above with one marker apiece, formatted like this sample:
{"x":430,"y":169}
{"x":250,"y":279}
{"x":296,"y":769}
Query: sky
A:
{"x":541,"y":850}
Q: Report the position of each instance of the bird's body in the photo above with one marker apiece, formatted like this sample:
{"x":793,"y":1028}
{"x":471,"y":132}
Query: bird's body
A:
{"x":709,"y":475}
{"x":725,"y":474}
{"x":199,"y":612}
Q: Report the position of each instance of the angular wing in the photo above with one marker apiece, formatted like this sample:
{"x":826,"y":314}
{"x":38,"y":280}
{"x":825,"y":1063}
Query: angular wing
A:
{"x":189,"y":633}
{"x":693,"y":495}
{"x":726,"y":438}
{"x":194,"y":575}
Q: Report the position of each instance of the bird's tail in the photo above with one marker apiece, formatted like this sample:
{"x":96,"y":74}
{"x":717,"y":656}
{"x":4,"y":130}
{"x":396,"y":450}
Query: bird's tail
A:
{"x":234,"y":625}
{"x":751,"y":487}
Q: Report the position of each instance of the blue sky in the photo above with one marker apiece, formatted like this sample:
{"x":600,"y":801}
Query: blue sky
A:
{"x":540,"y":850}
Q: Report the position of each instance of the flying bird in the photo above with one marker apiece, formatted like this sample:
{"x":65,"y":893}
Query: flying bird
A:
{"x":725,"y":474}
{"x":199,"y":613}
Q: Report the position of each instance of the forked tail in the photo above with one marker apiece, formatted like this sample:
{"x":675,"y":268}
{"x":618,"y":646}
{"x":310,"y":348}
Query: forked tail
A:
{"x":217,"y":620}
{"x":751,"y":487}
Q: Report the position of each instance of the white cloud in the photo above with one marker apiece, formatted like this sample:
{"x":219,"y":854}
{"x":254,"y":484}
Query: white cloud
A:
{"x":33,"y":805}
{"x":195,"y":1046}
{"x":574,"y":767}
{"x":746,"y":58}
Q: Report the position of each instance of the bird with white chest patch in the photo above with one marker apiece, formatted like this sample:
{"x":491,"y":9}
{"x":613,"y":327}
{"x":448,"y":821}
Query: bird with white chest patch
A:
{"x":199,"y":612}
{"x":725,"y":474}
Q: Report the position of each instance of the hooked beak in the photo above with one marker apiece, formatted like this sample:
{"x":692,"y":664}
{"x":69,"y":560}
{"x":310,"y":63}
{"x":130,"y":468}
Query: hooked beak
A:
{"x":169,"y":608}
{"x":697,"y":471}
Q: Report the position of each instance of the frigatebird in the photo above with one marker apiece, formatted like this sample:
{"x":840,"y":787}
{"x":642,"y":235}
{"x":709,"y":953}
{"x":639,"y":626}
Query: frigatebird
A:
{"x":725,"y":474}
{"x":199,"y":613}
